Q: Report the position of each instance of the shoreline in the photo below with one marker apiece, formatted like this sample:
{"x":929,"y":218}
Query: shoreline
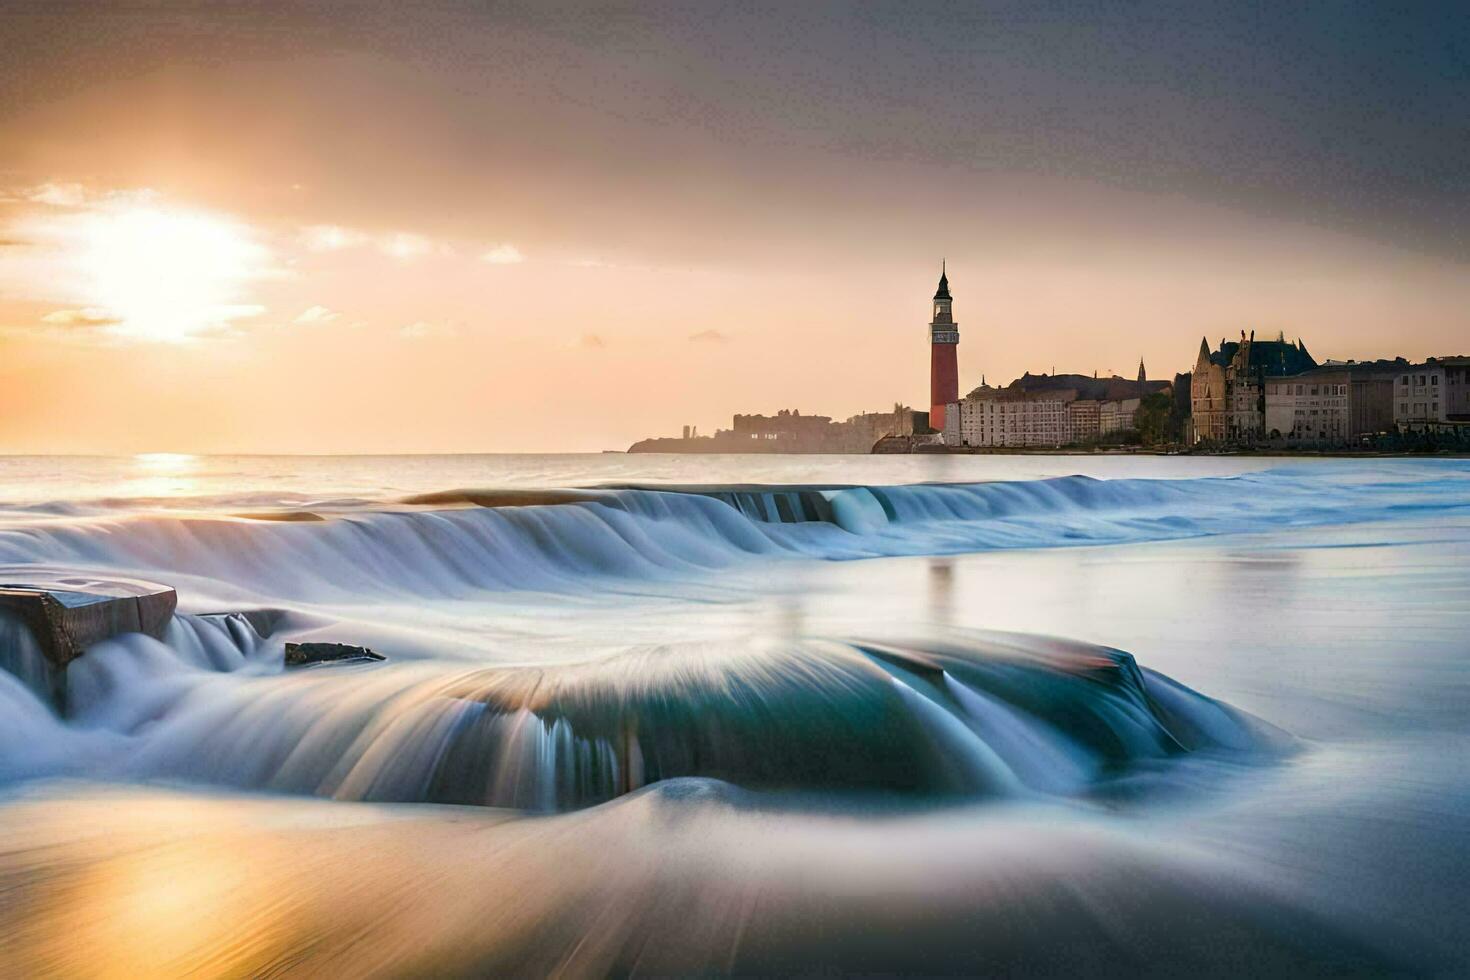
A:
{"x":1074,"y":451}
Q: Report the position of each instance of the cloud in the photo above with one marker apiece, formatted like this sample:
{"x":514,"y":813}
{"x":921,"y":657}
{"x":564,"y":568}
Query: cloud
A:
{"x":87,"y":317}
{"x":426,"y":329}
{"x":330,"y":238}
{"x":315,"y":315}
{"x":591,"y":341}
{"x":69,"y":194}
{"x":63,"y":195}
{"x":708,"y":337}
{"x":399,"y":244}
{"x":503,"y":254}
{"x":404,"y":245}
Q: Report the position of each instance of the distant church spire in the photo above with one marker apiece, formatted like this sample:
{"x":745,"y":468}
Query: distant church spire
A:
{"x":1142,"y":375}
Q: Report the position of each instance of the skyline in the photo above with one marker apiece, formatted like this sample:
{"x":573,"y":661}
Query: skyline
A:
{"x":565,"y":230}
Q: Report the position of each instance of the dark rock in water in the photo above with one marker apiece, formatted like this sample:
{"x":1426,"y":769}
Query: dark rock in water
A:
{"x":306,"y":654}
{"x":68,"y":614}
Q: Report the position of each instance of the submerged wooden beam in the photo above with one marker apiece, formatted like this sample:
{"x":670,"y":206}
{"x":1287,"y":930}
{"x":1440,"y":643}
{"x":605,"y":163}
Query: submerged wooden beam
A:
{"x":67,"y":615}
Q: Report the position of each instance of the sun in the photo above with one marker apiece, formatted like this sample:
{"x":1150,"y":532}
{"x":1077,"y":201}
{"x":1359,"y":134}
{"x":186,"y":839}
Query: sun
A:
{"x":159,"y":273}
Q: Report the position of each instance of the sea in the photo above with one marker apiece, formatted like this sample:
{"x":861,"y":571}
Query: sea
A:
{"x":682,"y":715}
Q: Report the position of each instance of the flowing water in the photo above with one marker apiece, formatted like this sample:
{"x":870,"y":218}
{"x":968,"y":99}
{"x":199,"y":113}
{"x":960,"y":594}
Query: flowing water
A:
{"x":1038,"y":715}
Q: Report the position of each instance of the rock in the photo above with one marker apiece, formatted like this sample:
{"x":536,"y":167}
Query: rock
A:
{"x":307,"y":654}
{"x":67,"y":615}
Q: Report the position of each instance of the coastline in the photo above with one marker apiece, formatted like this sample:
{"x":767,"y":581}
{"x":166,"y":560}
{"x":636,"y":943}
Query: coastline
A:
{"x":1066,"y":451}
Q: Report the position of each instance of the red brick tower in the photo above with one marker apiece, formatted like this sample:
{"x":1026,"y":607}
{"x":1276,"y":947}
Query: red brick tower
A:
{"x":944,"y":342}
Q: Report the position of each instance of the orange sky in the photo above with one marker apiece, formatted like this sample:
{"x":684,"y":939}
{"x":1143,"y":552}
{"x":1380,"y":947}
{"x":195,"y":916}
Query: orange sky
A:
{"x":290,"y":245}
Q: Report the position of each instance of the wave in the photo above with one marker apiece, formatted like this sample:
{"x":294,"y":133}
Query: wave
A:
{"x":565,"y":542}
{"x":984,"y":716}
{"x":460,"y":542}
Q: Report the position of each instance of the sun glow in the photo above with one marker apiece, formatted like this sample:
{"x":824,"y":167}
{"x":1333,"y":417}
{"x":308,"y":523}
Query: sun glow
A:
{"x":157,"y":273}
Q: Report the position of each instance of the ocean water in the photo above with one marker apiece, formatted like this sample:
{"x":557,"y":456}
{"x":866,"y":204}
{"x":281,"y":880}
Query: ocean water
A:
{"x":672,"y":715}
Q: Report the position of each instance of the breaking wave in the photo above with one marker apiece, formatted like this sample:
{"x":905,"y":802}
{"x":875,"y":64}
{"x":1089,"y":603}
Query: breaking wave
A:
{"x":987,"y":716}
{"x":978,"y":717}
{"x":455,"y":544}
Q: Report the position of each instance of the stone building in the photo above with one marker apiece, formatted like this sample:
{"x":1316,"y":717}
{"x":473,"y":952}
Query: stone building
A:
{"x":1011,"y":417}
{"x":1048,"y":410}
{"x":1457,"y":388}
{"x":1310,"y":407}
{"x":1419,"y":396}
{"x":789,"y":431}
{"x":1117,"y":416}
{"x":863,"y":431}
{"x":1228,"y":386}
{"x":787,"y":425}
{"x":1083,"y":415}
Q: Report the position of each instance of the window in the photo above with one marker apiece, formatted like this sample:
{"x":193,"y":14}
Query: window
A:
{"x":1434,"y":379}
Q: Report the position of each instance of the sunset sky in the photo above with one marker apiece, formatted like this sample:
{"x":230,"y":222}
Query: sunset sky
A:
{"x":412,"y":227}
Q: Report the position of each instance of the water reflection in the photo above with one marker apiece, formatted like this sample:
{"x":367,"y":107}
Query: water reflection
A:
{"x":683,"y":879}
{"x":941,"y":591}
{"x":165,"y":475}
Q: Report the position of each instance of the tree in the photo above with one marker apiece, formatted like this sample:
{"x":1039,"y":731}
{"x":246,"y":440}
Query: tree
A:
{"x":1153,"y":421}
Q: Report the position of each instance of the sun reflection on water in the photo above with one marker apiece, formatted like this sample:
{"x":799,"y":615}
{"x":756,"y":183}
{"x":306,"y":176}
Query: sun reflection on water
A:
{"x":165,"y":474}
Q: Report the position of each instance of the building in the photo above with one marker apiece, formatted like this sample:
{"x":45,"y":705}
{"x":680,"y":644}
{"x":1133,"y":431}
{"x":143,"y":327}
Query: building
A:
{"x":1084,"y":416}
{"x":1117,"y":416}
{"x":1228,"y":386}
{"x":863,"y":432}
{"x":1310,"y":407}
{"x":1419,"y":396}
{"x":1048,"y":410}
{"x":1090,"y":387}
{"x":1010,"y":417}
{"x":944,"y":341}
{"x":787,"y":426}
{"x":1457,"y":388}
{"x":789,"y":431}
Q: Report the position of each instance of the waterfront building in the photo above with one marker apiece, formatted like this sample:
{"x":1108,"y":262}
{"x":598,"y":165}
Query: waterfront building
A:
{"x":1457,"y":388}
{"x":1084,"y":417}
{"x":1310,"y":407}
{"x":1116,"y":416}
{"x":1330,"y":405}
{"x":944,"y":341}
{"x":953,"y":432}
{"x":1228,"y":386}
{"x":1419,"y":397}
{"x":1011,"y":417}
{"x":789,"y":431}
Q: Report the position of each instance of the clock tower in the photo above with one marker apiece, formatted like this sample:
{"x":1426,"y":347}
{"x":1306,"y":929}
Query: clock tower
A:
{"x":944,"y":342}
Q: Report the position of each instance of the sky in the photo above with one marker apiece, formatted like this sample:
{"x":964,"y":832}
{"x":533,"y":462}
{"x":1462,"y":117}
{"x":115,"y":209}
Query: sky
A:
{"x":389,"y":227}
